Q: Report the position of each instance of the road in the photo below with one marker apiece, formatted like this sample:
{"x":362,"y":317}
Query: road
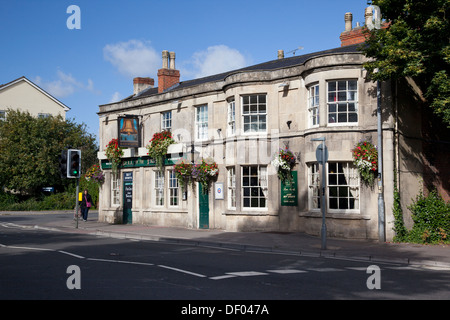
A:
{"x":45,"y":264}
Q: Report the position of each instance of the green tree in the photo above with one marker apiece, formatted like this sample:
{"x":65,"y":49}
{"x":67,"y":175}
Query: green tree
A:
{"x":30,"y":149}
{"x":415,"y":44}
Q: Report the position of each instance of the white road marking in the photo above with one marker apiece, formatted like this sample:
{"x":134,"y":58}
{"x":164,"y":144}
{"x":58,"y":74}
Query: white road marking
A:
{"x":286,"y":271}
{"x":183,"y":271}
{"x":71,"y":254}
{"x":247,"y":273}
{"x":222,"y":277}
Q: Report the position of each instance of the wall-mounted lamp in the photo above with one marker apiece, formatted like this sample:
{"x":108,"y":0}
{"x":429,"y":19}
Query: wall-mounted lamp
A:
{"x":219,"y":131}
{"x":289,"y":124}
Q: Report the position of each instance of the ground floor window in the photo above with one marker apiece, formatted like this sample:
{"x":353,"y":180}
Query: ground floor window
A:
{"x":343,"y":186}
{"x":173,"y":189}
{"x":314,"y":186}
{"x":159,"y":188}
{"x":231,"y":188}
{"x":254,"y":186}
{"x":115,"y":190}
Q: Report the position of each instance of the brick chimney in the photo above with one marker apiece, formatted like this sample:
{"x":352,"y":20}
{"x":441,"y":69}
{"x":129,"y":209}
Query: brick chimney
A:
{"x":356,"y":35}
{"x":352,"y":35}
{"x":140,"y":84}
{"x":167,"y":75}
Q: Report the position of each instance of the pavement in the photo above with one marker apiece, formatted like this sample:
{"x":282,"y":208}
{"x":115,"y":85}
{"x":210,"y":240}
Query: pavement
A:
{"x":294,"y":243}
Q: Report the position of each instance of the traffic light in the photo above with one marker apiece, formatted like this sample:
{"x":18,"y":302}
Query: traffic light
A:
{"x":73,"y":163}
{"x":63,"y":164}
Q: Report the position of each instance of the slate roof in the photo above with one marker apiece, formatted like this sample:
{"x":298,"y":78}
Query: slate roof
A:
{"x":265,"y":66}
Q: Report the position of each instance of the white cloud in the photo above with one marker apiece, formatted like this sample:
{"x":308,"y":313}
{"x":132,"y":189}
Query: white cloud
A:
{"x":133,"y":58}
{"x":65,"y":85}
{"x":217,"y":59}
{"x":115,"y":97}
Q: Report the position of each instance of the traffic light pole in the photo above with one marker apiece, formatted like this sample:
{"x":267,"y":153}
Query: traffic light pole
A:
{"x":77,"y":201}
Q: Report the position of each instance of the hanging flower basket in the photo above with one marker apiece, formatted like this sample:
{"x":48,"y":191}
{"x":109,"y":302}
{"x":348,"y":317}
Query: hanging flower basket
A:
{"x":365,"y":158}
{"x":183,"y":172}
{"x":113,"y":153}
{"x":95,"y":174}
{"x":157,"y":148}
{"x":284,"y":162}
{"x":204,"y":173}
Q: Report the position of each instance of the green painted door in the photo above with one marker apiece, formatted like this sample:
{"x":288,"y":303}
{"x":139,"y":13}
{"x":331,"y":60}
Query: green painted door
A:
{"x":203,"y":207}
{"x":127,"y":197}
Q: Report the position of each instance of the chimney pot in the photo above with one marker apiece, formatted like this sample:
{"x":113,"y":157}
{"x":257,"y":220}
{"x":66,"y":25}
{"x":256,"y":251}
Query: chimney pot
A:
{"x":368,"y":15}
{"x":348,"y":21}
{"x":280,"y":54}
{"x":165,"y":59}
{"x":172,"y":60}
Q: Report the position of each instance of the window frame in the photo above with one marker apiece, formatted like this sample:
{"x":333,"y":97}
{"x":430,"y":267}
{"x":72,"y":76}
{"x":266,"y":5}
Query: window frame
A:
{"x":339,"y":104}
{"x":166,"y":121}
{"x":351,"y":175}
{"x":201,"y":123}
{"x":314,"y":179}
{"x":231,"y":116}
{"x":173,"y":190}
{"x":159,"y":191}
{"x":231,"y":186}
{"x":115,"y":190}
{"x":313,"y":105}
{"x":254,"y":115}
{"x":262,"y":186}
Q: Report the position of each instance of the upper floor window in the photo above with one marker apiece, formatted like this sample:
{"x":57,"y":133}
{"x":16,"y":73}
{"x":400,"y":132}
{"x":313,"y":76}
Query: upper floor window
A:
{"x":2,"y":115}
{"x":254,"y":113}
{"x":201,"y":122}
{"x":166,"y":121}
{"x":342,"y":101}
{"x":313,"y":105}
{"x":231,"y":117}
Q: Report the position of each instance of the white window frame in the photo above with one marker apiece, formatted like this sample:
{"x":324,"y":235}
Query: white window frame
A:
{"x":231,"y":117}
{"x":254,"y":113}
{"x":158,"y":178}
{"x":341,"y":101}
{"x":201,"y":123}
{"x":336,"y":190}
{"x":166,"y":121}
{"x":231,"y":194}
{"x":313,"y":105}
{"x":314,"y":180}
{"x":115,"y":190}
{"x":261,"y":188}
{"x":174,"y":193}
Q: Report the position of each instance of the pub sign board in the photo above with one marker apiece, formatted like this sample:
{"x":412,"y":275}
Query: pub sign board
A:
{"x":289,"y":195}
{"x":129,"y":132}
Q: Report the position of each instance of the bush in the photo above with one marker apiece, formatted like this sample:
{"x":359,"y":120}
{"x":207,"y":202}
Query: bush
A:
{"x":431,"y":216}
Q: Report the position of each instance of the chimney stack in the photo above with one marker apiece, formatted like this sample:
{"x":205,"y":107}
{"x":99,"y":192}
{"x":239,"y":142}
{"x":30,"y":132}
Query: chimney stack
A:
{"x":140,"y":84}
{"x":351,"y":35}
{"x":168,"y":76}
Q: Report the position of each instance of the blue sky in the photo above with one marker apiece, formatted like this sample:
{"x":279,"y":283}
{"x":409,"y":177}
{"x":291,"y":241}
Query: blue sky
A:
{"x":123,"y":39}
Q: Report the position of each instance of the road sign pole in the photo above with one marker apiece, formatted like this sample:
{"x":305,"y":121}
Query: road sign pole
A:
{"x":322,"y":158}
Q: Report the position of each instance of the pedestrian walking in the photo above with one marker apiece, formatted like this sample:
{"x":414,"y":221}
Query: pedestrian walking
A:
{"x":86,"y":204}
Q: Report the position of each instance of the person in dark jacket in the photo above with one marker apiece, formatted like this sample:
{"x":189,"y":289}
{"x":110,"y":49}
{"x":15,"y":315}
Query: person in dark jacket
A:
{"x":86,"y":204}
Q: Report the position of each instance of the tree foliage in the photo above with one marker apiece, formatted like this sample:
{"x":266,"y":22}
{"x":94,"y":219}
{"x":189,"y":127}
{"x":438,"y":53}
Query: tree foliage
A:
{"x":30,"y":148}
{"x":415,"y":44}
